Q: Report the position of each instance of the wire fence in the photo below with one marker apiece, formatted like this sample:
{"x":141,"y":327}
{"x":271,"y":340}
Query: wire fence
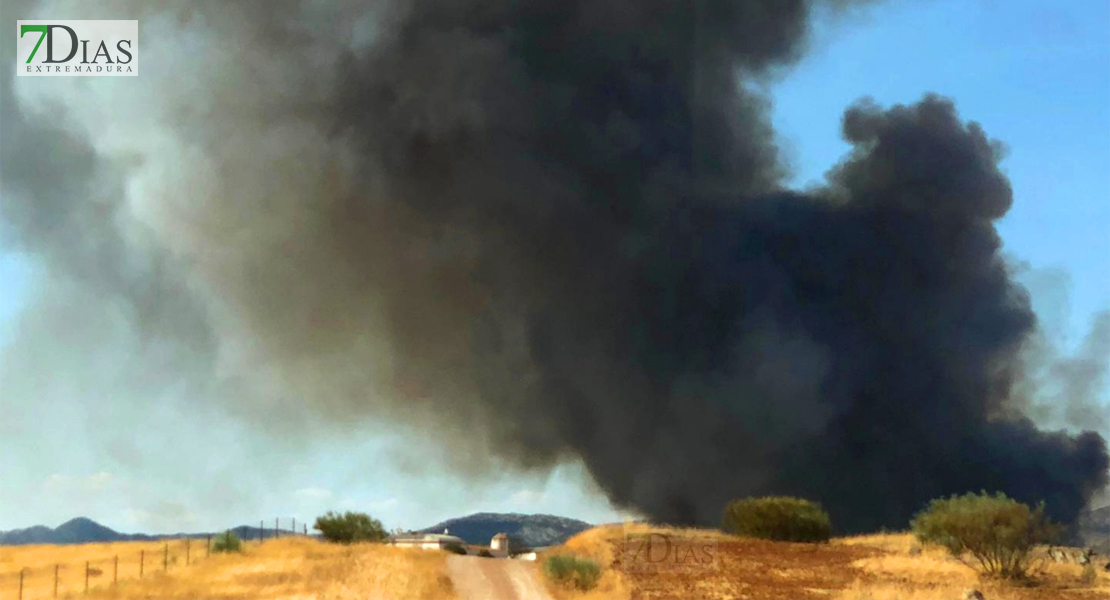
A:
{"x":50,"y":571}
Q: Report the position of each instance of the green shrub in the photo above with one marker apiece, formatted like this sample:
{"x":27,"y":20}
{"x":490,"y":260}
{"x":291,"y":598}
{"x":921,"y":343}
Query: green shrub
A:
{"x":778,"y":518}
{"x":455,"y":548}
{"x":350,"y":527}
{"x":998,"y":532}
{"x":227,"y":542}
{"x":485,"y":553}
{"x":571,"y":571}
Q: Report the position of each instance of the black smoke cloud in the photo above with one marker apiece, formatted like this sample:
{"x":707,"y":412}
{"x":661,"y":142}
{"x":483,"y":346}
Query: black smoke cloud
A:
{"x":560,"y":228}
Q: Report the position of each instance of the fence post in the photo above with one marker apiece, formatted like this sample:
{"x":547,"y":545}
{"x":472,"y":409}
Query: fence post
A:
{"x":166,"y":558}
{"x":56,"y":581}
{"x":142,"y":557}
{"x":21,"y":583}
{"x":86,"y":576}
{"x":208,"y":545}
{"x":115,"y":570}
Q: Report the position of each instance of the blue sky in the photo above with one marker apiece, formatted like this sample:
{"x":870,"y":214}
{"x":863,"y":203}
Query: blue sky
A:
{"x":1036,"y":75}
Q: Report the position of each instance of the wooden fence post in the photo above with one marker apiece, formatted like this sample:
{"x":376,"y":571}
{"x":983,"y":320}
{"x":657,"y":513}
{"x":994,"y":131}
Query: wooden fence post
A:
{"x":20,"y":584}
{"x":56,"y":580}
{"x":86,"y":576}
{"x":142,"y":557}
{"x":115,"y":570}
{"x":166,"y":558}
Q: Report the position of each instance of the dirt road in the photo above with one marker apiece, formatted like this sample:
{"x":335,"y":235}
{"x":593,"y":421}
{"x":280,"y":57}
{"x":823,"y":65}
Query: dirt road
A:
{"x":477,"y":578}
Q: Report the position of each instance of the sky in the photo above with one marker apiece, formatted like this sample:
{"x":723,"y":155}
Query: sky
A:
{"x":1035,"y":75}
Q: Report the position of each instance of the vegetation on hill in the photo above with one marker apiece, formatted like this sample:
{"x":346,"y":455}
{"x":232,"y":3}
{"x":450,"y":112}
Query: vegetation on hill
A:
{"x":998,"y":532}
{"x":350,"y":527}
{"x":227,"y":542}
{"x":82,"y":530}
{"x":528,"y":531}
{"x":778,"y":518}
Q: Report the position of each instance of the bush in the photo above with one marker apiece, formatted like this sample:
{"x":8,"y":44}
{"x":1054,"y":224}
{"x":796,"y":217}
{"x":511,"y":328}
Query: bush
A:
{"x":778,"y":518}
{"x":227,"y":542}
{"x":455,"y":548}
{"x":998,"y":532}
{"x":350,"y":527}
{"x":571,"y":571}
{"x":485,"y":553}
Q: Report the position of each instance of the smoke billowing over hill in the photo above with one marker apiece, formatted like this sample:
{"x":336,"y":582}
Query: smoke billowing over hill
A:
{"x":554,"y":230}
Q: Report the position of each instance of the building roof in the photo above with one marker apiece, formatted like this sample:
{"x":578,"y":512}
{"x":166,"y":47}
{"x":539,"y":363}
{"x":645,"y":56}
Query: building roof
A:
{"x":415,"y":538}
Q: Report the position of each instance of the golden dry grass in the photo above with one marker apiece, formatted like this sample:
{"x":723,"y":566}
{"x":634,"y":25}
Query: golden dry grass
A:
{"x":39,"y":561}
{"x":291,"y":568}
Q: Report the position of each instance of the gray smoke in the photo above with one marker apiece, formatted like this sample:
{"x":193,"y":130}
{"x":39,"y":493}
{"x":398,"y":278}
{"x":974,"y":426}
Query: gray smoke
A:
{"x":555,"y":230}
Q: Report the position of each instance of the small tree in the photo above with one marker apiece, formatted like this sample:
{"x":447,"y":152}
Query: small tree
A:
{"x":227,"y":542}
{"x":778,"y":518}
{"x":998,"y":532}
{"x":350,"y":527}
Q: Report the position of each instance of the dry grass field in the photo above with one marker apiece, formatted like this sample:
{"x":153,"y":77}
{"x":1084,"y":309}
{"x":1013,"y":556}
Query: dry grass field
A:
{"x":287,"y":569}
{"x":877,"y":567}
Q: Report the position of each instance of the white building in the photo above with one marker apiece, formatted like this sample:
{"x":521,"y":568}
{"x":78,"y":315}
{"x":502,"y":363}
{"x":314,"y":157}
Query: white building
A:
{"x":499,"y":546}
{"x":426,"y":541}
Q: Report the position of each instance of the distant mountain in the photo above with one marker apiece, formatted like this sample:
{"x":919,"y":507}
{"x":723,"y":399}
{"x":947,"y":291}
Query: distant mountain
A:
{"x":83,"y":531}
{"x":31,"y":535}
{"x":1094,"y":529}
{"x":531,"y":530}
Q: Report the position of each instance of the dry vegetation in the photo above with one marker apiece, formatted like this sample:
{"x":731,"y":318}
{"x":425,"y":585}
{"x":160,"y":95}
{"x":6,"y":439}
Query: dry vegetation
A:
{"x":291,"y":568}
{"x":876,"y":567}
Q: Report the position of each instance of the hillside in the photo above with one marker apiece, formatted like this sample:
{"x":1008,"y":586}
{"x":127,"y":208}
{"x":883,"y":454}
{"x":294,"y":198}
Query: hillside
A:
{"x":82,"y":530}
{"x":530,"y":530}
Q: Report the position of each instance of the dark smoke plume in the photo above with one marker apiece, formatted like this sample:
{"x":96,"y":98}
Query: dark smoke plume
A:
{"x":557,"y":230}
